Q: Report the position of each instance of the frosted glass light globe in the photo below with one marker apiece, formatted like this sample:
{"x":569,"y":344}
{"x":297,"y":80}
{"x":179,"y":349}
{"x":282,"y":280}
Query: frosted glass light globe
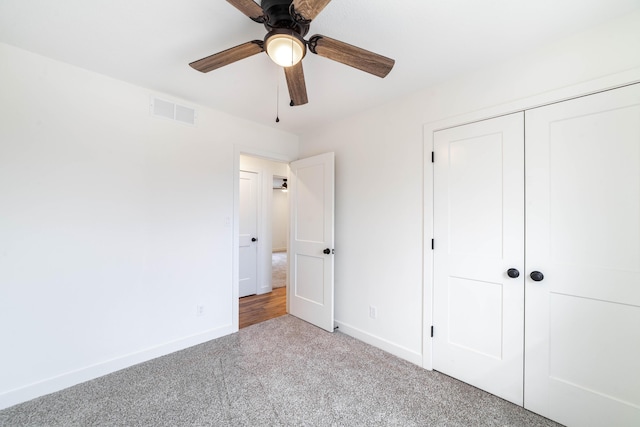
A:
{"x":285,"y":49}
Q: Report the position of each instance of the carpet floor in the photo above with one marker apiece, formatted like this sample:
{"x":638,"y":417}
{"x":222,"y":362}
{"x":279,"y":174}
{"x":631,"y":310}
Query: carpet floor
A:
{"x":283,"y":372}
{"x":279,"y":269}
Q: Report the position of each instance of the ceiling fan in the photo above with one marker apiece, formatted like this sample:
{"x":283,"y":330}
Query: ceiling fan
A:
{"x":287,"y":22}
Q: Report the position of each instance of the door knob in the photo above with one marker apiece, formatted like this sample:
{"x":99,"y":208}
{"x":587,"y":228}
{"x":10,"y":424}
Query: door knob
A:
{"x":327,"y":251}
{"x":513,"y":273}
{"x":536,"y":276}
{"x":253,"y":239}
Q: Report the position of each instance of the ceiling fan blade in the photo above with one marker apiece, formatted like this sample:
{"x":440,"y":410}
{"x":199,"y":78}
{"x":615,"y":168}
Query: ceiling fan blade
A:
{"x":356,"y":57}
{"x":296,"y":84}
{"x":228,"y":56}
{"x":249,"y":8}
{"x":307,"y":10}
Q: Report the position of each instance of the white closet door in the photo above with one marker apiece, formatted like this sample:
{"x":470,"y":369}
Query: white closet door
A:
{"x":479,"y":236}
{"x":582,"y":365}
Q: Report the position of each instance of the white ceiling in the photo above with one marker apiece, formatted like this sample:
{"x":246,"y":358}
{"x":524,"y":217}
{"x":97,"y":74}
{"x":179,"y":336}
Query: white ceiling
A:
{"x":151,"y":42}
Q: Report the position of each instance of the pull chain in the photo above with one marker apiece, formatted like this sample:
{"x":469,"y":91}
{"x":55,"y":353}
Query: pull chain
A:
{"x":292,"y":47}
{"x":278,"y":103}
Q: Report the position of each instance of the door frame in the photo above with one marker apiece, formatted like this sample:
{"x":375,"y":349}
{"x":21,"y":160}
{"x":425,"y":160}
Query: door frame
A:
{"x":235,"y":220}
{"x":610,"y":82}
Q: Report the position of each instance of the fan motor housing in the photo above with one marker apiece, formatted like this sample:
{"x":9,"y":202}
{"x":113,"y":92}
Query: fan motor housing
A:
{"x":279,"y":17}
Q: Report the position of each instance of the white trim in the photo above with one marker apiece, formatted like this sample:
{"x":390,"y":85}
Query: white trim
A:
{"x":68,"y":379}
{"x":264,"y":224}
{"x":575,"y":91}
{"x":264,"y":154}
{"x":427,"y":264}
{"x":397,"y":350}
{"x":609,"y":82}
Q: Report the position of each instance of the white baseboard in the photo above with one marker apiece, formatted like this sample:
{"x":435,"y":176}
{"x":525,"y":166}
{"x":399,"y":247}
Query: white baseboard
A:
{"x":264,"y":290}
{"x":388,"y":346}
{"x":51,"y":385}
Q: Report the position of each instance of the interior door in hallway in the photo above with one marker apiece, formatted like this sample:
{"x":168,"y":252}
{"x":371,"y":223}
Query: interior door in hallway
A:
{"x":583,"y":234}
{"x":479,"y":238}
{"x":248,"y":250}
{"x":311,"y":196}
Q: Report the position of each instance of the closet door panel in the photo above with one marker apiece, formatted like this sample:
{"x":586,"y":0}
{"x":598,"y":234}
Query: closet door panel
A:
{"x":479,"y":235}
{"x":582,"y":324}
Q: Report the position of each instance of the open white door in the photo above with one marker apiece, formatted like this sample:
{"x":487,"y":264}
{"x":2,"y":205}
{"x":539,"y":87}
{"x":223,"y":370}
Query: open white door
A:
{"x":311,"y":190}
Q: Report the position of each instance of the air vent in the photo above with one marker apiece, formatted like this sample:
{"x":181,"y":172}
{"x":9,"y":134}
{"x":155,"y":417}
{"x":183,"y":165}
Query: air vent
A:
{"x":170,"y":110}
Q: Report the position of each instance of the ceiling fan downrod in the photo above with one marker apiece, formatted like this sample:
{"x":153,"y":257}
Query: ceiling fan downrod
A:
{"x":279,"y":16}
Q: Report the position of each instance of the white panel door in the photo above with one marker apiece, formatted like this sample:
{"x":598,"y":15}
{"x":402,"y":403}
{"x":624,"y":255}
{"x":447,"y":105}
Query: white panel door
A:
{"x":248,"y":251}
{"x":583,"y":234}
{"x":479,"y":236}
{"x":311,"y":192}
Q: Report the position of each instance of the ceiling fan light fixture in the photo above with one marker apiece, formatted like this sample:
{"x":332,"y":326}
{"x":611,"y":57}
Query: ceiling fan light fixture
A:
{"x":286,"y":48}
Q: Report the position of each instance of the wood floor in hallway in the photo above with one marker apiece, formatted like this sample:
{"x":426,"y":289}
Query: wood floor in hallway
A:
{"x":258,"y":308}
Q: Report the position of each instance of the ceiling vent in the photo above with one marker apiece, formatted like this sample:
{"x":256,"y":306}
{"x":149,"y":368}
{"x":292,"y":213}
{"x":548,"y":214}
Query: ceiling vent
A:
{"x":170,"y":110}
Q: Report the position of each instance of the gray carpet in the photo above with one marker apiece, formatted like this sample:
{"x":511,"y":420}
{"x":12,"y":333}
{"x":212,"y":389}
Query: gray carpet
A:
{"x":283,"y":372}
{"x":279,"y":269}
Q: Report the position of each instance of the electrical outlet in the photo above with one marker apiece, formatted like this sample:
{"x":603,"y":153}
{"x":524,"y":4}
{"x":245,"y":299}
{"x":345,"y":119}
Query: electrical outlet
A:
{"x":373,"y":312}
{"x":199,"y":310}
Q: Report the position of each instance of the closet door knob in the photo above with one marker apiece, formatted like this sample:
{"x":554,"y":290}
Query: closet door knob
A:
{"x":536,"y":276}
{"x":513,"y":273}
{"x":253,"y":239}
{"x":327,"y":251}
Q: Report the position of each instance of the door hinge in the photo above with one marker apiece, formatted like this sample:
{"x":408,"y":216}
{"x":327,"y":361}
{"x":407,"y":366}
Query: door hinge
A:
{"x":431,"y":331}
{"x":433,"y":244}
{"x":433,"y":157}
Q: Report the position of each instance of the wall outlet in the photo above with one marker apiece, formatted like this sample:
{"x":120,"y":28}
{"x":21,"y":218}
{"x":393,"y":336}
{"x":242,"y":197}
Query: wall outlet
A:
{"x":373,"y":312}
{"x":199,"y":310}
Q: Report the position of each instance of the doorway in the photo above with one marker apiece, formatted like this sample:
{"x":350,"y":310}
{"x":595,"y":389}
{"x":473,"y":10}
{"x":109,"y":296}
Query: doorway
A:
{"x":268,"y":298}
{"x":279,"y":232}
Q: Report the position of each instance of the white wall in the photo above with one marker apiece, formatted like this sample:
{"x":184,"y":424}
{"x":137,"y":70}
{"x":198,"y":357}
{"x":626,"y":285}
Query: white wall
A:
{"x":279,"y":221}
{"x":266,"y":169}
{"x":114,"y":225}
{"x":379,"y":173}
